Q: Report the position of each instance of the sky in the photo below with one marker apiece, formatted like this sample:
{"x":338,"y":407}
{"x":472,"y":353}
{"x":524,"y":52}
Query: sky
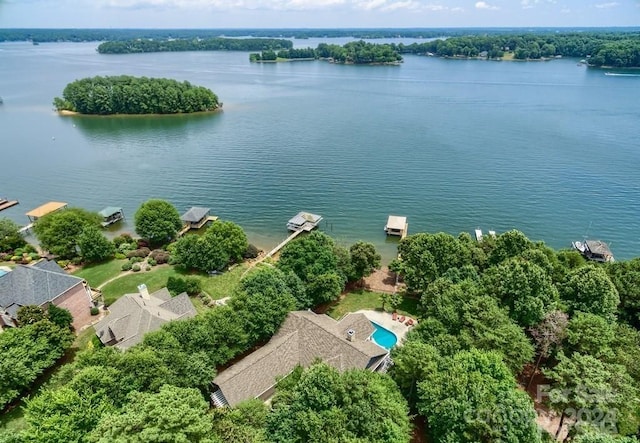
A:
{"x":316,"y":13}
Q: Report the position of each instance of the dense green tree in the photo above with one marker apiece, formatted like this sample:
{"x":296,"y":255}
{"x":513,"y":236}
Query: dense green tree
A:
{"x":59,"y":316}
{"x":138,"y":45}
{"x":244,"y":423}
{"x":326,"y":406}
{"x":625,"y":276}
{"x":26,"y":353}
{"x":200,"y":252}
{"x":589,"y":289}
{"x":230,"y":236}
{"x":157,"y":221}
{"x":509,"y":244}
{"x":594,"y":393}
{"x":446,"y":301}
{"x":411,"y":364}
{"x":58,"y":232}
{"x":524,"y":287}
{"x":364,"y":259}
{"x":263,"y":300}
{"x":591,"y":334}
{"x":173,"y":414}
{"x":426,"y":257}
{"x":94,"y":246}
{"x":472,"y":397}
{"x":30,"y":314}
{"x":602,"y":438}
{"x":10,"y":238}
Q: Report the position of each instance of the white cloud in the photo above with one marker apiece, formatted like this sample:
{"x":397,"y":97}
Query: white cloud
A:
{"x":607,"y":5}
{"x":485,"y":5}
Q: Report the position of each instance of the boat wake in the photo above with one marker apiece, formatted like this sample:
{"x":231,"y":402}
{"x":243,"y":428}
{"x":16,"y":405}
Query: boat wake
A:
{"x":617,"y":74}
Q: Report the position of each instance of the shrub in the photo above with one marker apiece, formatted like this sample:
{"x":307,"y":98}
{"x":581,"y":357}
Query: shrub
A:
{"x":122,"y":239}
{"x":147,"y":268}
{"x":136,"y":259}
{"x":76,"y":260}
{"x":125,"y":247}
{"x":16,"y":258}
{"x":28,"y":248}
{"x":135,"y":268}
{"x":193,"y":285}
{"x":19,"y":252}
{"x":160,"y":256}
{"x":127,"y":266}
{"x":151,"y":262}
{"x":95,"y":311}
{"x":34,"y":255}
{"x":120,"y":256}
{"x":176,"y":285}
{"x":142,"y":244}
{"x":142,"y":252}
{"x":4,"y":256}
{"x":27,"y":259}
{"x":63,"y":263}
{"x":251,"y":252}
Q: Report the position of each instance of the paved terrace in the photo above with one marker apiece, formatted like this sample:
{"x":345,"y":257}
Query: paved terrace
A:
{"x":385,"y":319}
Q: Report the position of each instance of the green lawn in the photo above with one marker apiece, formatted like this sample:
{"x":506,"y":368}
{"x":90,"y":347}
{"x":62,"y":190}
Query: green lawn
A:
{"x":362,"y":299}
{"x":217,"y":286}
{"x":99,"y":273}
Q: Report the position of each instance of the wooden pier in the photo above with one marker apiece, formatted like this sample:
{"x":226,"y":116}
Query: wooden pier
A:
{"x":187,"y":227}
{"x":6,"y":204}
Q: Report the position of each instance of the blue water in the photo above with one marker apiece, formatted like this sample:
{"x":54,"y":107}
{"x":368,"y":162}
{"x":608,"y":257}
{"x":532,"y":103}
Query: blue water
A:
{"x":384,"y":337}
{"x":548,"y":148}
{"x":2,"y":272}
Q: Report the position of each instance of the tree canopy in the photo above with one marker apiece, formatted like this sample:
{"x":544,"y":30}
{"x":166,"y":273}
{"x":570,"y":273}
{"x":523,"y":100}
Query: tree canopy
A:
{"x":134,"y":95}
{"x":137,"y":45}
{"x":94,"y":246}
{"x":60,"y":231}
{"x":157,"y":221}
{"x":10,"y":238}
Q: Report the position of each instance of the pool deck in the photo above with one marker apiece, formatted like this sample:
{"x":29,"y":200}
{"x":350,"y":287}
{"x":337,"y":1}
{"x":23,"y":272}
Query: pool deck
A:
{"x":384,"y":319}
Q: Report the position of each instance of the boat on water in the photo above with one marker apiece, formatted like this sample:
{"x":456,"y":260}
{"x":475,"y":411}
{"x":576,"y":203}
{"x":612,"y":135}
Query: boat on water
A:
{"x":595,"y":250}
{"x":621,"y":74}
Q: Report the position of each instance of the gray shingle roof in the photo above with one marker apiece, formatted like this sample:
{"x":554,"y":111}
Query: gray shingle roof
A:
{"x":35,"y":284}
{"x":303,"y":337}
{"x":132,"y":316}
{"x":195,"y":214}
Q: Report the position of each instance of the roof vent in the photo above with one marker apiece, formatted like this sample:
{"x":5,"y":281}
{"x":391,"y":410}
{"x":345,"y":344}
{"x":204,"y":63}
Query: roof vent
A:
{"x":351,"y":334}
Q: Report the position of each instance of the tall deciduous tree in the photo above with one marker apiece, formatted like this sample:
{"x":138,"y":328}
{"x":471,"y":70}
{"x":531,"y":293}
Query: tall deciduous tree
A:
{"x":411,"y":364}
{"x":59,"y":231}
{"x":94,"y":246}
{"x":173,"y":414}
{"x":472,"y":397}
{"x":548,"y":335}
{"x":230,"y":236}
{"x":509,"y":244}
{"x":364,"y":259}
{"x":10,"y":238}
{"x":589,"y":289}
{"x":157,"y":221}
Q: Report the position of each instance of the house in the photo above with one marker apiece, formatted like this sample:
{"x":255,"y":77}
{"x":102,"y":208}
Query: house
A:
{"x":303,"y":338}
{"x":134,"y":315}
{"x":111,"y":215}
{"x":42,"y":283}
{"x":396,"y":225}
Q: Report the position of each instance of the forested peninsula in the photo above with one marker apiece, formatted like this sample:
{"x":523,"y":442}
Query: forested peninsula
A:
{"x":620,"y":50}
{"x":357,"y":53}
{"x":135,"y":95}
{"x":196,"y":44}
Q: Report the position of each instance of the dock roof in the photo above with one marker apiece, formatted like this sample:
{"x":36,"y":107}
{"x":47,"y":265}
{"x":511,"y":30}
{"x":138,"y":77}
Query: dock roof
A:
{"x":303,"y":217}
{"x":396,"y":222}
{"x":598,"y":247}
{"x":109,"y":210}
{"x":195,"y":214}
{"x":45,"y":209}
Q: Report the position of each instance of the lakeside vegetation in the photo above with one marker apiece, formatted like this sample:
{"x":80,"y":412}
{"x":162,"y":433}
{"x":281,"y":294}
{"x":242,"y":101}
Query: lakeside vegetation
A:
{"x":139,"y":45}
{"x":498,"y":320}
{"x":357,"y":53}
{"x":134,"y":95}
{"x":621,"y":50}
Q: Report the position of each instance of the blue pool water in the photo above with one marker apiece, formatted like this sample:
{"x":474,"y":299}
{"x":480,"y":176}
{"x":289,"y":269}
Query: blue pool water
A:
{"x":384,"y":337}
{"x":2,"y":272}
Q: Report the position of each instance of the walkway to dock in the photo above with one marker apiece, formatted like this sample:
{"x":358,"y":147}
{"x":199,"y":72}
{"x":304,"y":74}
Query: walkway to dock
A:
{"x":284,"y":242}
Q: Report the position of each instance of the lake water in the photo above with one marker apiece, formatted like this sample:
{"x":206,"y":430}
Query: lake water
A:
{"x":549,"y":148}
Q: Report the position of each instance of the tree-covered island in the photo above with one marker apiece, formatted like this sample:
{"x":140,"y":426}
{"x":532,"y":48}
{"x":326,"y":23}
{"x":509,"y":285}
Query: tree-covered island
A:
{"x":357,"y":53}
{"x":135,"y":95}
{"x":138,"y":45}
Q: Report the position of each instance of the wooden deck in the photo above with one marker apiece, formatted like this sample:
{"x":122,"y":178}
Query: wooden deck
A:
{"x":6,"y":204}
{"x":187,"y":227}
{"x":286,"y":240}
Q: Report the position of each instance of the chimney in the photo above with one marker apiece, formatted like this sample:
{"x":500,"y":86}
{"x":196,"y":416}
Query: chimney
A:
{"x":351,"y":335}
{"x":144,"y":292}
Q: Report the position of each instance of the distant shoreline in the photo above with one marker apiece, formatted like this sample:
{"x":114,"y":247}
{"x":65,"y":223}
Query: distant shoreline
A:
{"x":67,"y":113}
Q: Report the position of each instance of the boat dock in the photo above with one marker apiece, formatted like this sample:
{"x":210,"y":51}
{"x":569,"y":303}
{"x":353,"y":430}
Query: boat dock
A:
{"x":285,"y":241}
{"x":195,"y":218}
{"x":6,"y":204}
{"x":478,"y":233}
{"x":397,"y":225}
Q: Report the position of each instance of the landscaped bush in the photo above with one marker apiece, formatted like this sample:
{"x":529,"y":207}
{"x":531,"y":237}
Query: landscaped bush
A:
{"x":28,"y":248}
{"x":95,"y":311}
{"x":135,"y":268}
{"x":63,"y":263}
{"x":16,"y":258}
{"x":151,"y":262}
{"x":126,"y":247}
{"x":27,"y":259}
{"x":194,"y":285}
{"x":127,"y":266}
{"x":147,"y":268}
{"x":136,"y":259}
{"x":34,"y":255}
{"x":160,"y":256}
{"x":18,"y":252}
{"x":142,"y":252}
{"x":142,"y":244}
{"x":5,"y":256}
{"x":251,"y":252}
{"x":120,"y":256}
{"x":76,"y":260}
{"x":122,"y":239}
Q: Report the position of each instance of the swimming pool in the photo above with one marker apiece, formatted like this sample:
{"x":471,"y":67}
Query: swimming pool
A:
{"x":2,"y":272}
{"x":384,"y":337}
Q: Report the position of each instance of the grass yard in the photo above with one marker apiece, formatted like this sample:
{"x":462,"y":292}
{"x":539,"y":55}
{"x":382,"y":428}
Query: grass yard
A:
{"x":361,"y":299}
{"x":99,"y":273}
{"x":217,"y":286}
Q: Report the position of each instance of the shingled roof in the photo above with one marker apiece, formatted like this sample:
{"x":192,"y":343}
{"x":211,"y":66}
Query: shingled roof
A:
{"x":34,"y":284}
{"x":303,"y":337}
{"x":195,"y":214}
{"x":133,"y":315}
